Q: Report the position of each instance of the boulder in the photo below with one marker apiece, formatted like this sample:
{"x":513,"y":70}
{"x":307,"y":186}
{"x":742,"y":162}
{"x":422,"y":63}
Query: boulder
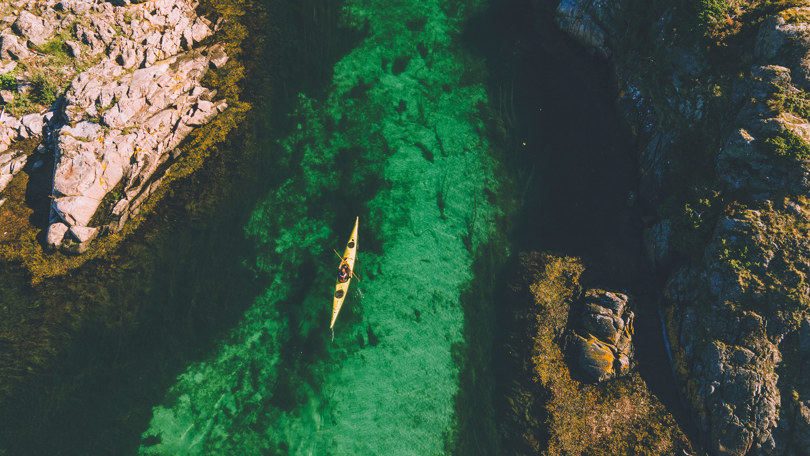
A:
{"x":595,"y":357}
{"x":33,"y":124}
{"x":11,"y":48}
{"x":11,"y":163}
{"x":6,"y":96}
{"x":217,"y":55}
{"x":56,"y":232}
{"x":33,"y":28}
{"x":83,"y":234}
{"x":8,"y":66}
{"x":77,"y":7}
{"x":606,"y":315}
{"x":74,"y":48}
{"x":605,"y":349}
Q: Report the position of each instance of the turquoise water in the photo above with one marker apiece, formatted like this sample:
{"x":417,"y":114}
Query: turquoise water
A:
{"x":398,"y":140}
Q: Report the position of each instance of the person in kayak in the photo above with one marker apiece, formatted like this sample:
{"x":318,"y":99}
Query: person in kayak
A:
{"x":344,"y":273}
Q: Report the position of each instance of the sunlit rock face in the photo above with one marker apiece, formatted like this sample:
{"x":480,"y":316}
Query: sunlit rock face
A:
{"x":132,"y":78}
{"x":125,"y":115}
{"x":148,"y":112}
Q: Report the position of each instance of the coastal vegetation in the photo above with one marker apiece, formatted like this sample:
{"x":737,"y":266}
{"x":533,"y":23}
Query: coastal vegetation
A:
{"x":579,"y":417}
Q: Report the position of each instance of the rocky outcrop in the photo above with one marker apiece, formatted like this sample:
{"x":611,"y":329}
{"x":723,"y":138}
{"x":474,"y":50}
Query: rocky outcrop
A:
{"x":146,"y":113}
{"x":603,"y":344}
{"x":732,"y":313}
{"x":116,"y":130}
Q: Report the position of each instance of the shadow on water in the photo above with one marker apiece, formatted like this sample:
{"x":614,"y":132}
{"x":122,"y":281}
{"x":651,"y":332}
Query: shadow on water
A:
{"x":573,"y":160}
{"x":180,"y":284}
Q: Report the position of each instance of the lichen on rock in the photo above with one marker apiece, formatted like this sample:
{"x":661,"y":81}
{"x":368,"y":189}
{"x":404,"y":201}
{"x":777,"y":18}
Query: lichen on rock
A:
{"x":604,"y":350}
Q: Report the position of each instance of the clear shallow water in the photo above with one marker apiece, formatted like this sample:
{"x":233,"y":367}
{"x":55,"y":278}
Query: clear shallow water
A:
{"x":399,"y":140}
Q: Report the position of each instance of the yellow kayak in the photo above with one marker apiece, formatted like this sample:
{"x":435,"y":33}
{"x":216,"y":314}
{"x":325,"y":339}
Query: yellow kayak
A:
{"x":345,"y":271}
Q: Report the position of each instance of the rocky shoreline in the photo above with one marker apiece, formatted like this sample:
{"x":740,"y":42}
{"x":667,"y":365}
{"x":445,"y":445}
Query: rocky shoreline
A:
{"x":114,"y":89}
{"x":727,"y":220}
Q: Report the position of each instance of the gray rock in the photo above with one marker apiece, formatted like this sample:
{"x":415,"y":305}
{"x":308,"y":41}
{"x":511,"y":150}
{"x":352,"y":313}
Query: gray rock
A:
{"x":104,"y":30}
{"x":78,"y":7}
{"x":581,"y":20}
{"x":74,"y":48}
{"x":87,"y":36}
{"x":33,"y":124}
{"x":201,"y":29}
{"x":159,"y":105}
{"x":7,"y":96}
{"x":726,"y":357}
{"x":121,"y":119}
{"x":84,"y":129}
{"x":801,"y":435}
{"x":217,"y":55}
{"x":11,"y":48}
{"x":35,"y":29}
{"x":8,"y":66}
{"x":11,"y":163}
{"x":56,"y":232}
{"x":83,"y":234}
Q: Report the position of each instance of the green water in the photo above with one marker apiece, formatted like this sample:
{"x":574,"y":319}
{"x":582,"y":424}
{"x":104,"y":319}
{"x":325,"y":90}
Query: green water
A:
{"x":399,"y":140}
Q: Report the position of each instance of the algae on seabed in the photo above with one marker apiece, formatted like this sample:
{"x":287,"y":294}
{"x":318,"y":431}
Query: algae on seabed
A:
{"x":400,"y":141}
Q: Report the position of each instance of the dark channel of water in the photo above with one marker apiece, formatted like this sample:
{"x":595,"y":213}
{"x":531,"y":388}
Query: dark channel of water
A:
{"x":181,"y":281}
{"x":184,"y":283}
{"x":576,"y":168}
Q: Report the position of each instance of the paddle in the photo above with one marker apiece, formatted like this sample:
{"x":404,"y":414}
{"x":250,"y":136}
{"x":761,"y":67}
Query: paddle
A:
{"x":341,"y":259}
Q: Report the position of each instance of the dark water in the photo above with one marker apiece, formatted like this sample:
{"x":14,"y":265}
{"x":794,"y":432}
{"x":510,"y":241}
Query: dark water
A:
{"x":212,"y":337}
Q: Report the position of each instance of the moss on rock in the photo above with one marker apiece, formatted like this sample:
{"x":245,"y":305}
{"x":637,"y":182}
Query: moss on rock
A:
{"x":619,"y":417}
